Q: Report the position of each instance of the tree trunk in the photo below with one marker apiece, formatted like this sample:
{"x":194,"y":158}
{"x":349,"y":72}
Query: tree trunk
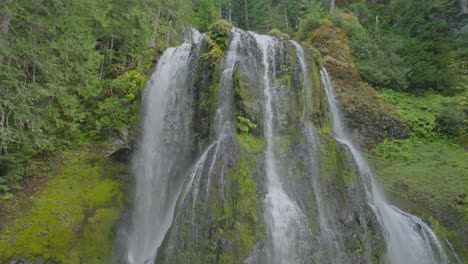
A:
{"x":246,"y":13}
{"x":286,"y":19}
{"x":464,"y":6}
{"x":168,"y":34}
{"x":155,"y":29}
{"x":332,"y":6}
{"x":4,"y":28}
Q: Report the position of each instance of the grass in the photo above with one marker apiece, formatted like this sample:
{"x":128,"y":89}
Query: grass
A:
{"x":422,"y":167}
{"x":426,"y":174}
{"x":72,"y":219}
{"x":428,"y":159}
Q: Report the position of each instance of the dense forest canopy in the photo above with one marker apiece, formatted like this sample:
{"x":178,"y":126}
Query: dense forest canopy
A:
{"x":73,"y":70}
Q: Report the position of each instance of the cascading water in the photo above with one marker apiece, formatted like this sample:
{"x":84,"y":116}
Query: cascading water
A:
{"x":286,"y":222}
{"x":408,"y":238}
{"x":284,"y":192}
{"x":209,"y":171}
{"x":330,"y":240}
{"x":164,"y":152}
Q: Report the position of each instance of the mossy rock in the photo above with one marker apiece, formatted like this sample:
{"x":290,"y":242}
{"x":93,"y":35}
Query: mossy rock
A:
{"x":372,"y":119}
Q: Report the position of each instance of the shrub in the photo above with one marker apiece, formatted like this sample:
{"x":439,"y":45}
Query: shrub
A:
{"x":221,"y":26}
{"x":361,"y":11}
{"x":376,"y":59}
{"x":278,"y":34}
{"x":452,"y":120}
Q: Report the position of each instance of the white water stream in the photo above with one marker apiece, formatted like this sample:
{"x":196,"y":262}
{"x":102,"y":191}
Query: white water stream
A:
{"x":286,"y":222}
{"x":163,"y":152}
{"x":408,"y":238}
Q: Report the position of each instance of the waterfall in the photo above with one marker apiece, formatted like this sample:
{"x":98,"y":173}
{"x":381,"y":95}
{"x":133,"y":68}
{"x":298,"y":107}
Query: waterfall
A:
{"x":287,"y":191}
{"x":164,"y":152}
{"x":286,"y":222}
{"x":408,"y":238}
{"x":331,"y":242}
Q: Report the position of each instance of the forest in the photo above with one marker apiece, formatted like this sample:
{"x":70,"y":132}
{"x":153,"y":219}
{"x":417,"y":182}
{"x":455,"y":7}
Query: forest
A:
{"x":72,"y":84}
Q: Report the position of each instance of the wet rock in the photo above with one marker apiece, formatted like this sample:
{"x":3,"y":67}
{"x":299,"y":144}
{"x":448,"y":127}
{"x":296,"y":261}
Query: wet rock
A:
{"x":258,"y":253}
{"x":120,"y":148}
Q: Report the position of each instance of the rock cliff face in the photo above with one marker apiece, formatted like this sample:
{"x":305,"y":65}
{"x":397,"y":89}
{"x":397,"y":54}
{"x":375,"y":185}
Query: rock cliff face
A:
{"x":225,"y":212}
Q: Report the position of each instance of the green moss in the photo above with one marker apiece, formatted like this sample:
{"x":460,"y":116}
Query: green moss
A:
{"x":444,"y":234}
{"x":72,"y":220}
{"x":246,"y":117}
{"x":218,"y":40}
{"x":358,"y":246}
{"x":252,"y":143}
{"x":315,"y":107}
{"x":286,"y":80}
{"x":96,"y":244}
{"x":210,"y":99}
{"x":244,"y":125}
{"x":238,"y":221}
{"x":278,"y":34}
{"x":335,"y":162}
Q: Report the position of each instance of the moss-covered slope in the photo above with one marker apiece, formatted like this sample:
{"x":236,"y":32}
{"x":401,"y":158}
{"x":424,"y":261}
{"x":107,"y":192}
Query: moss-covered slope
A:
{"x":72,"y":219}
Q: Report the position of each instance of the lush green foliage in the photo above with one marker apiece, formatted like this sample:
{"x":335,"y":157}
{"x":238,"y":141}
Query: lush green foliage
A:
{"x":313,"y":18}
{"x":406,"y":44}
{"x":72,"y":219}
{"x":257,"y":15}
{"x":430,"y":115}
{"x":452,"y":118}
{"x":72,"y":70}
{"x":277,"y":33}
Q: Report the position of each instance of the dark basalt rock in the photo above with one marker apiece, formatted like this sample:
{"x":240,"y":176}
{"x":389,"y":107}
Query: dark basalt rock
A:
{"x":120,"y":148}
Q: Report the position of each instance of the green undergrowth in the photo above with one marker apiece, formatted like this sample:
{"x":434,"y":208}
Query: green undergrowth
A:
{"x":428,"y":178}
{"x":432,"y":157}
{"x":72,"y":220}
{"x":418,"y":168}
{"x":430,"y":114}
